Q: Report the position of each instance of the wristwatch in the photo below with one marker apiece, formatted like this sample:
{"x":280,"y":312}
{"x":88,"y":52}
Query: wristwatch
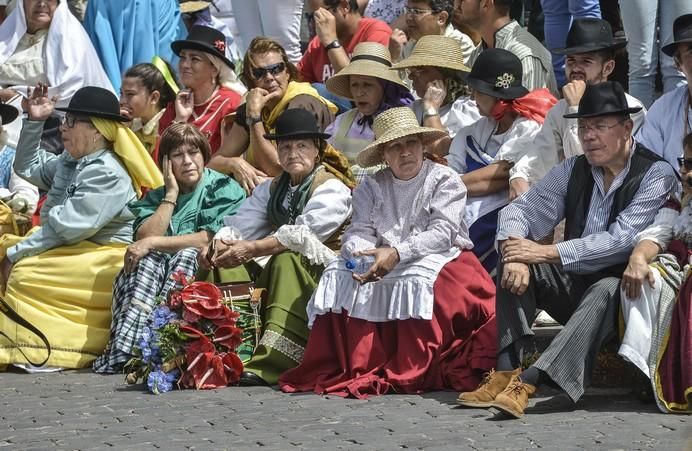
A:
{"x":252,"y":120}
{"x":432,"y":111}
{"x":333,"y":45}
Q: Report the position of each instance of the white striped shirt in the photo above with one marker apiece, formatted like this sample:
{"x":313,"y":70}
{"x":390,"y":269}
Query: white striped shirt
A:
{"x":535,"y":214}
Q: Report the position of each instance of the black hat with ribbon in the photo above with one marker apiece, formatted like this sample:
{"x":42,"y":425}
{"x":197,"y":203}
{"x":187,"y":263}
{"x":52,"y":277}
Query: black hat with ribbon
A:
{"x":296,"y":123}
{"x":204,"y":39}
{"x":603,"y":99}
{"x":589,"y":35}
{"x":8,"y":113}
{"x":682,"y":32}
{"x":497,"y":73}
{"x":95,"y":102}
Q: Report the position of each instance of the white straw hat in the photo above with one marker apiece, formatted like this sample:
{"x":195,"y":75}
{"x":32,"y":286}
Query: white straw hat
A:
{"x":370,"y":59}
{"x":392,"y":124}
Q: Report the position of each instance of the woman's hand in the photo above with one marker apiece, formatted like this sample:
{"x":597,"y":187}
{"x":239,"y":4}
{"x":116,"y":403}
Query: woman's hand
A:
{"x":184,"y":104}
{"x":39,"y":106}
{"x":5,"y":271}
{"x":633,"y":278}
{"x":386,"y":258}
{"x":435,"y":94}
{"x":247,"y":176}
{"x":257,"y":99}
{"x":206,"y":255}
{"x":169,"y":180}
{"x":230,"y":254}
{"x":135,"y":252}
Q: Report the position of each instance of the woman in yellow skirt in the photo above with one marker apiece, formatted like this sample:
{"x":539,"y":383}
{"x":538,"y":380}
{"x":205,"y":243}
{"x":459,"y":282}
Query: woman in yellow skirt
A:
{"x":59,"y":278}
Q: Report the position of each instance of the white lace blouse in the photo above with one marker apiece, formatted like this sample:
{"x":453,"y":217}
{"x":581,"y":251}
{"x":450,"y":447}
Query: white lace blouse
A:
{"x":423,"y":218}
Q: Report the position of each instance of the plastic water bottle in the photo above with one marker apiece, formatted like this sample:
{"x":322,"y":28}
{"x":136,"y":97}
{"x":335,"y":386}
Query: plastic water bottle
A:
{"x":360,"y":265}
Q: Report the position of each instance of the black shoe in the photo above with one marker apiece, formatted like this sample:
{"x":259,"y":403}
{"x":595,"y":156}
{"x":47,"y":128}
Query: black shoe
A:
{"x":248,"y":379}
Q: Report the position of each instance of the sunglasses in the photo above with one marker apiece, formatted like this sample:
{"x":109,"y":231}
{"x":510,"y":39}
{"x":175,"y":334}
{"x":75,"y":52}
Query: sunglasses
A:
{"x":275,"y":69}
{"x":685,"y":163}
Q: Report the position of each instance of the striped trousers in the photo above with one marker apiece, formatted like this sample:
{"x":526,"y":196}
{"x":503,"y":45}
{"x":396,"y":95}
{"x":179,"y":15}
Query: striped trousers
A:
{"x":586,"y":305}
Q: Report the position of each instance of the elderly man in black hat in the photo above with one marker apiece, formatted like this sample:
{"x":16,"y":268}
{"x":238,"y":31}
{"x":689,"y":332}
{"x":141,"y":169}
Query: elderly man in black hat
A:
{"x":606,"y":196}
{"x":670,"y":118}
{"x":590,"y":59}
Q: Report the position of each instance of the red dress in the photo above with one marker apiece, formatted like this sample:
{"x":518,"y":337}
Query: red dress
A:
{"x":207,"y":117}
{"x":354,"y":357}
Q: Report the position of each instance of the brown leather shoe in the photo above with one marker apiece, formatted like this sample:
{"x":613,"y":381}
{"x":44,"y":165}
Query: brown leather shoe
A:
{"x":492,"y":384}
{"x":514,"y":399}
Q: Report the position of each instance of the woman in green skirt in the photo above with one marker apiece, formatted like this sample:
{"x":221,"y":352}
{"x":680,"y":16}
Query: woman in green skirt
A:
{"x":288,"y":227}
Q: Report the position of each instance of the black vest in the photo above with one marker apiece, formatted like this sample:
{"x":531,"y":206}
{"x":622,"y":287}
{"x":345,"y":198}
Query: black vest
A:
{"x":580,"y":190}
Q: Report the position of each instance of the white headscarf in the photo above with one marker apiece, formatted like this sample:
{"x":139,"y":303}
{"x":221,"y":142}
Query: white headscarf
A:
{"x":70,"y":59}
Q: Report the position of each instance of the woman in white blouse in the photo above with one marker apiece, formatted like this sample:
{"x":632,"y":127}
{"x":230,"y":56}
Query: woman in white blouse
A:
{"x":422,"y":317}
{"x":42,"y":42}
{"x":287,"y":219}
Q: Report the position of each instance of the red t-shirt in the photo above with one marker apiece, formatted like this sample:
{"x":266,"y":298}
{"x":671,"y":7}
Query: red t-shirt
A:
{"x":314,"y":67}
{"x":207,"y":117}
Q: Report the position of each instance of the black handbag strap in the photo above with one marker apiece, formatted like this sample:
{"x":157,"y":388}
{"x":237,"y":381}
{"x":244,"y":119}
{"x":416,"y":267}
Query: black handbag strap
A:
{"x":17,"y":318}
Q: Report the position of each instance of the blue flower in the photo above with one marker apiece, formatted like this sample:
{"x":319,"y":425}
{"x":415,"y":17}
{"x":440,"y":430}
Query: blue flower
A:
{"x":162,"y":316}
{"x":159,"y":382}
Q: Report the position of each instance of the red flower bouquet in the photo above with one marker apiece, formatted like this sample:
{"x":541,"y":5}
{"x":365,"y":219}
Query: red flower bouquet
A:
{"x":191,"y":340}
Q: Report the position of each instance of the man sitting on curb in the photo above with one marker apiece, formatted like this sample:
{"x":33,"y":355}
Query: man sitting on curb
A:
{"x":590,"y":52}
{"x":606,"y":196}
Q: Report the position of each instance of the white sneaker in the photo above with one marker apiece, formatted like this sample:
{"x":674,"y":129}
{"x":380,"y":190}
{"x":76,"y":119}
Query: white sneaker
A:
{"x":544,"y":320}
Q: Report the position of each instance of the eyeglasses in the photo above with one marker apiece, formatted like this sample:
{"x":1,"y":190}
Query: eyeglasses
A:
{"x":274,"y":69}
{"x":598,"y":128}
{"x":70,"y":120}
{"x":685,"y":163}
{"x":418,"y":12}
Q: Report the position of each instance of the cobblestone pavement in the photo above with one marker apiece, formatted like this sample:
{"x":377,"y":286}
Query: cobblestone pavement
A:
{"x":81,"y":410}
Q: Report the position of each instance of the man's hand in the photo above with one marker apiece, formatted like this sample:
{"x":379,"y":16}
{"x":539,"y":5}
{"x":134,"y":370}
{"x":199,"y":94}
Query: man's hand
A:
{"x":386,"y":258}
{"x":325,"y":26}
{"x":515,"y":278}
{"x":397,"y":41}
{"x":517,"y":187}
{"x":636,"y":272}
{"x":521,"y":250}
{"x":573,"y":91}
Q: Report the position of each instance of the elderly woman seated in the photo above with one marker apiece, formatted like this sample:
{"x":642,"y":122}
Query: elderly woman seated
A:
{"x":59,"y":278}
{"x":287,"y":218}
{"x":272,"y":79}
{"x":24,"y":195}
{"x":420,"y":288}
{"x":171,"y":224}
{"x":42,"y":42}
{"x":656,"y":300}
{"x":369,"y":83}
{"x":437,"y":70}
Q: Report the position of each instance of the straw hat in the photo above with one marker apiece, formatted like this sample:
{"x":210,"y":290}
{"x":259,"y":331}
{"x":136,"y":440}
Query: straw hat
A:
{"x":192,"y":6}
{"x":436,"y":51}
{"x":392,"y":124}
{"x":369,"y":58}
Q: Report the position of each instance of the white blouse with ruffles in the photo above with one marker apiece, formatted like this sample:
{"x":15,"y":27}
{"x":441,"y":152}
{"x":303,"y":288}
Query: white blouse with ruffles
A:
{"x":423,"y":218}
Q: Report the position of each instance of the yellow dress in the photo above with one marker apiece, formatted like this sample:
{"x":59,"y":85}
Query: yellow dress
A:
{"x":66,"y":293}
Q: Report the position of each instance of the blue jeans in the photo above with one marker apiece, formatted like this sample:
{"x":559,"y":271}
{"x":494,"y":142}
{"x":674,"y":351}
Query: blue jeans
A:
{"x":558,"y":15}
{"x":640,"y":19}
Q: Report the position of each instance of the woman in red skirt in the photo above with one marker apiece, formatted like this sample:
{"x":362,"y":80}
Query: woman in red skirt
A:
{"x":420,"y":315}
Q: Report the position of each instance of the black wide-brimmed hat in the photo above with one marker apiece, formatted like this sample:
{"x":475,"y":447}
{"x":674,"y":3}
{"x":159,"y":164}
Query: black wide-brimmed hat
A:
{"x":497,"y":73}
{"x":296,"y":123}
{"x":589,"y":35}
{"x":8,"y":113}
{"x":603,"y":99}
{"x":204,"y":39}
{"x":682,"y":32}
{"x":95,"y":102}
